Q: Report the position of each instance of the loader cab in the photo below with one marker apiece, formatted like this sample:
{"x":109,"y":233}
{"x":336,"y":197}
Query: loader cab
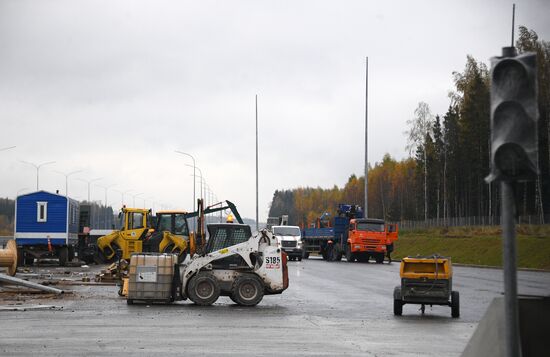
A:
{"x":225,"y":235}
{"x":134,"y":218}
{"x":174,"y":222}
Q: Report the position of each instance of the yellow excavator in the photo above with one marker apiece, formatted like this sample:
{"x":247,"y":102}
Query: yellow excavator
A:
{"x":169,"y":233}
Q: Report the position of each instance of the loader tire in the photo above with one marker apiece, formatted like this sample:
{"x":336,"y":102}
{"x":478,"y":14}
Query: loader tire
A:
{"x":170,"y":250}
{"x":455,"y":304}
{"x":203,"y":289}
{"x":247,"y":290}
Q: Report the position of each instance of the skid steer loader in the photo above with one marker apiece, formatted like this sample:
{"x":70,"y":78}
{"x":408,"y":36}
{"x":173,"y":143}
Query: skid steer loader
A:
{"x":233,"y":263}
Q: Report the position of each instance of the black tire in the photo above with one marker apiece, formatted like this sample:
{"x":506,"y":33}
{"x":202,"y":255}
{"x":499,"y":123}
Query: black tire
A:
{"x":101,"y":258}
{"x":130,"y":301}
{"x":363,"y":258}
{"x":455,"y":304}
{"x":71,"y":253}
{"x":299,"y":258}
{"x":350,"y":257}
{"x":63,"y":256}
{"x":170,"y":250}
{"x":247,"y":290}
{"x":324,"y":254}
{"x":306,"y":255}
{"x":203,"y":289}
{"x":379,"y":258}
{"x":20,"y":257}
{"x":397,"y":307}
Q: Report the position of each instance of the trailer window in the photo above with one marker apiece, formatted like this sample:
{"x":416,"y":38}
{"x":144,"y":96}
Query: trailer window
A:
{"x":41,"y":211}
{"x":370,"y":227}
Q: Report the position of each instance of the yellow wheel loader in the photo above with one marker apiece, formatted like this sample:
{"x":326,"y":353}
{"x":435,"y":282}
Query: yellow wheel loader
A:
{"x":134,"y":223}
{"x":170,"y":234}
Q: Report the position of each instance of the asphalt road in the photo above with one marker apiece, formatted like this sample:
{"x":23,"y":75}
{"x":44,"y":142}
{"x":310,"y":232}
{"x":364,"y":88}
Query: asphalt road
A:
{"x":330,"y":309}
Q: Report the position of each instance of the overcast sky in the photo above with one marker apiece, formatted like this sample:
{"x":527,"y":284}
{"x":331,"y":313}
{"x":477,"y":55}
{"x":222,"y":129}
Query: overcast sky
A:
{"x":114,"y":87}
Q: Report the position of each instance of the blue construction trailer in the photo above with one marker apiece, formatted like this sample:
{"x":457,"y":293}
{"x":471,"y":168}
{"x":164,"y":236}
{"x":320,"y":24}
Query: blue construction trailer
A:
{"x":46,"y":226}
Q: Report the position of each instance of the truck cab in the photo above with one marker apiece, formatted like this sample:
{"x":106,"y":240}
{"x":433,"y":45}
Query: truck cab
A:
{"x":367,"y":238}
{"x":290,"y":240}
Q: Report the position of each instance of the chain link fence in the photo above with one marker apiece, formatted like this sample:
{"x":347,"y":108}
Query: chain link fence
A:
{"x":469,"y":221}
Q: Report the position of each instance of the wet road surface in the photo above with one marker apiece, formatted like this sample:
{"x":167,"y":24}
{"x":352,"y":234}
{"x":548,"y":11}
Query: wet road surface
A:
{"x":330,"y":309}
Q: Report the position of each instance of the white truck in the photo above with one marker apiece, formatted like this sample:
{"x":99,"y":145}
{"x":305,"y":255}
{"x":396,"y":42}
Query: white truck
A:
{"x":290,"y":240}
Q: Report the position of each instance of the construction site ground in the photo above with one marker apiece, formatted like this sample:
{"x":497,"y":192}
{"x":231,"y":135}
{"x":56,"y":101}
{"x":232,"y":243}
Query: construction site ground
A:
{"x":330,"y":309}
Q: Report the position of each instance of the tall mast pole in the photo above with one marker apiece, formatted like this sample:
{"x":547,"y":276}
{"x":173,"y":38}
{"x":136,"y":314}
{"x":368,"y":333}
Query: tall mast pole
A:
{"x":257,"y":214}
{"x":366,"y":208}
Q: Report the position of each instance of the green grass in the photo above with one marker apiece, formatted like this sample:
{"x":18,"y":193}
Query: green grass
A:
{"x":477,"y":245}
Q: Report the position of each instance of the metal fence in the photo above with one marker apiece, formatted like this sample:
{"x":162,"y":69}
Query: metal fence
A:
{"x":469,"y":221}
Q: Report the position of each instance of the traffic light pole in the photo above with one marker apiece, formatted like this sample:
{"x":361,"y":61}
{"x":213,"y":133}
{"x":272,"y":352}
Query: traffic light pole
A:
{"x":511,"y":316}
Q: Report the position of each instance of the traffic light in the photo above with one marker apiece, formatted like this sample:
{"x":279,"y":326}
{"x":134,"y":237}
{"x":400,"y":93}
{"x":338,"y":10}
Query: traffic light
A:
{"x":514,"y":117}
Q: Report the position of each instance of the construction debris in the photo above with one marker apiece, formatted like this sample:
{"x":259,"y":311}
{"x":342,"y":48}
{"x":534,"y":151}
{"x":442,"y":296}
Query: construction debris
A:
{"x":114,"y":273}
{"x":20,"y":282}
{"x":29,"y":307}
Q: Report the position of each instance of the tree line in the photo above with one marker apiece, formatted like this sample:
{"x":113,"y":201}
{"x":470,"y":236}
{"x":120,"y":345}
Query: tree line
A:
{"x":449,"y":156}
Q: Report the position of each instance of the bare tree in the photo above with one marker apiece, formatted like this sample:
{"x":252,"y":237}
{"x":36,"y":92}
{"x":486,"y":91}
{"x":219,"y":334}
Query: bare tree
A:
{"x":419,"y":128}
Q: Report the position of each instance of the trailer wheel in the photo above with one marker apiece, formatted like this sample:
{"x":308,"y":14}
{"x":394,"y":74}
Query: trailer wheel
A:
{"x":247,"y":290}
{"x":203,"y":289}
{"x":455,"y":304}
{"x":20,"y":257}
{"x":63,"y":255}
{"x":397,"y":307}
{"x":71,"y":253}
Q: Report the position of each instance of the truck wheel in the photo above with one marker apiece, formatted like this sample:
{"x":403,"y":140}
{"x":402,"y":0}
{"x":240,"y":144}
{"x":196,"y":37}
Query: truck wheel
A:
{"x":397,"y":307}
{"x":350,"y":257}
{"x":299,"y":258}
{"x":455,"y":304}
{"x":63,"y":255}
{"x":380,"y":258}
{"x":306,"y":255}
{"x":203,"y":289}
{"x":247,"y":290}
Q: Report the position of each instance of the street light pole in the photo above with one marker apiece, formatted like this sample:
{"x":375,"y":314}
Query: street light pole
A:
{"x":134,"y":198}
{"x":194,"y":179}
{"x":201,"y":177}
{"x":37,"y":167}
{"x":257,"y":210}
{"x":67,"y":179}
{"x":106,"y":188}
{"x":89,"y":182}
{"x":366,"y":208}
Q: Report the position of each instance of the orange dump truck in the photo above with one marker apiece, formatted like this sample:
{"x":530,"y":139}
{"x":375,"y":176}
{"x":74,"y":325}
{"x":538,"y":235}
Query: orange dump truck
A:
{"x":369,"y":238}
